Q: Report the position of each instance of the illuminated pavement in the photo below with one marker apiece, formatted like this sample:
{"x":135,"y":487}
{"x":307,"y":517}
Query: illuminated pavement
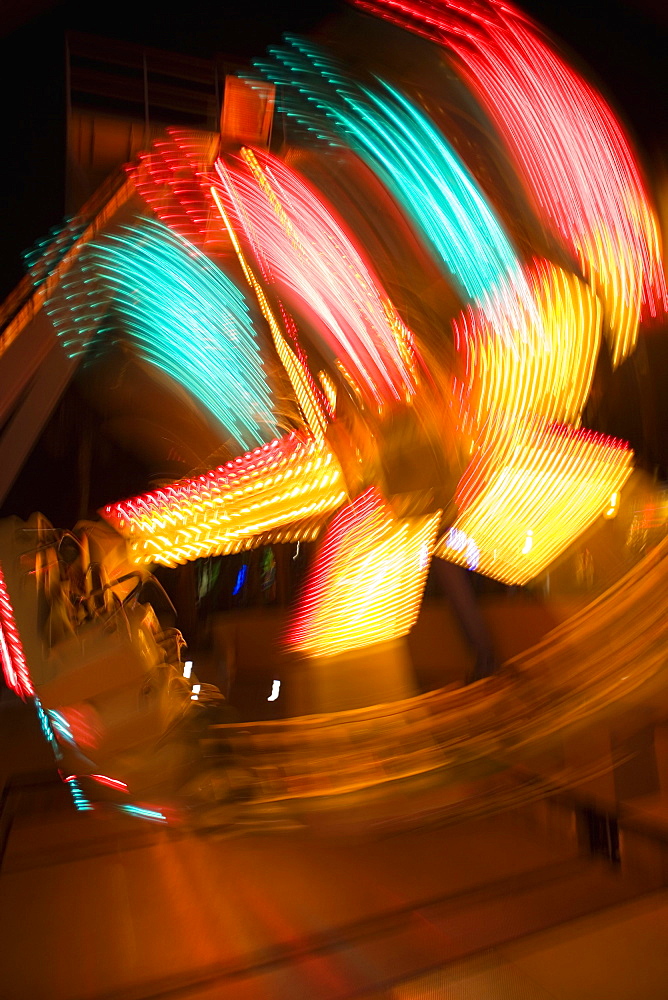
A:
{"x":102,"y":906}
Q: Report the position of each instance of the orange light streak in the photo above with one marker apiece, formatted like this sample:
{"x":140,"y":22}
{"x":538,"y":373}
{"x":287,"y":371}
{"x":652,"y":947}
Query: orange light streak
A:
{"x":286,"y":485}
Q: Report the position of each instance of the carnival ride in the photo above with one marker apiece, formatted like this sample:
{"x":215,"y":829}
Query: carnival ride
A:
{"x":394,"y":317}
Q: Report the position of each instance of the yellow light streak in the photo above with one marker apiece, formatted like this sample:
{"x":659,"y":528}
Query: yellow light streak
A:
{"x":367,"y":583}
{"x":551,"y":487}
{"x":279,"y":491}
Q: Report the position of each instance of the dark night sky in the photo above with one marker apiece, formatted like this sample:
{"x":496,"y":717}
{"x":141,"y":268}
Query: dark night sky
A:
{"x":623,"y":43}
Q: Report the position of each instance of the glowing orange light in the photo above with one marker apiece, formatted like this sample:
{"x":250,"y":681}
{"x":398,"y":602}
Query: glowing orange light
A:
{"x":367,"y":582}
{"x":546,"y":490}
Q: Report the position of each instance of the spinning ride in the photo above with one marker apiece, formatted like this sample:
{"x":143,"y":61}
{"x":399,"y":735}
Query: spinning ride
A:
{"x":394,"y":319}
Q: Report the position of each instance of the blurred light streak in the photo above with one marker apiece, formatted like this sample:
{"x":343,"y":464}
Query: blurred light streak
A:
{"x":568,"y":146}
{"x":190,"y":320}
{"x":231,"y":508}
{"x":457,"y":540}
{"x":528,"y":466}
{"x":183,"y":314}
{"x":540,"y":494}
{"x":171,"y":179}
{"x":94,"y":216}
{"x":275,"y":690}
{"x":303,"y":248}
{"x":543,"y":368}
{"x":14,"y":664}
{"x":408,"y":153}
{"x":367,"y":582}
{"x":44,"y":258}
{"x":47,"y":729}
{"x":61,"y":726}
{"x":329,"y":389}
{"x":81,"y":802}
{"x":103,"y":779}
{"x":613,"y":506}
{"x":141,"y":813}
{"x":82,"y":722}
{"x":309,"y":399}
{"x":241,"y":579}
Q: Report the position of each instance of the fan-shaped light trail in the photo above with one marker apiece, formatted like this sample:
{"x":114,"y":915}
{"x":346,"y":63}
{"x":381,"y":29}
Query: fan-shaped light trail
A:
{"x":307,"y":253}
{"x":533,"y":482}
{"x":279,"y":491}
{"x":567,"y":145}
{"x":528,"y":466}
{"x":171,"y":180}
{"x":413,"y":159}
{"x":540,"y":490}
{"x":184,"y":315}
{"x":367,"y":582}
{"x":312,"y":402}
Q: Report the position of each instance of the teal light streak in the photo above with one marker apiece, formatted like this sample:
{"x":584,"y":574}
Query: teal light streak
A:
{"x":47,"y":729}
{"x":190,"y":320}
{"x":81,"y":802}
{"x":61,"y":725}
{"x":407,"y":152}
{"x":149,"y":814}
{"x":47,"y":253}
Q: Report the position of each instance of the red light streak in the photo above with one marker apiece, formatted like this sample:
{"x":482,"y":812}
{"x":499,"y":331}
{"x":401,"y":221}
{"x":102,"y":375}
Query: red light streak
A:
{"x":101,"y":779}
{"x":567,"y":145}
{"x":307,"y":252}
{"x":83,"y":723}
{"x":172,"y":180}
{"x":14,"y":664}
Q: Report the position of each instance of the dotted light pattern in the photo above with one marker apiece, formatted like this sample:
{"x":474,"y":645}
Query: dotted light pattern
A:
{"x":278,"y":486}
{"x":183,"y":314}
{"x":302,"y":247}
{"x":567,"y":145}
{"x":367,"y":582}
{"x":547,"y":489}
{"x":14,"y":664}
{"x":408,"y":153}
{"x":171,"y":179}
{"x":45,"y":256}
